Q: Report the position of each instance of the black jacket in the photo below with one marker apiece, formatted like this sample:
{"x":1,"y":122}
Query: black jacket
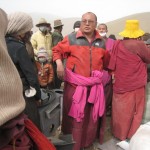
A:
{"x":23,"y":63}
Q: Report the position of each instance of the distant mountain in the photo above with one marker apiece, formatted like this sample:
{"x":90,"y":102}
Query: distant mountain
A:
{"x":114,"y":27}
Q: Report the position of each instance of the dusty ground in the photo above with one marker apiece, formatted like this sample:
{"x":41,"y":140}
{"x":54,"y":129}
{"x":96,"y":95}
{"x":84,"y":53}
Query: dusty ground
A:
{"x":109,"y":140}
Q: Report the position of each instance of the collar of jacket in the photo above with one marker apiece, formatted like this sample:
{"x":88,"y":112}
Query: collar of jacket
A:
{"x":12,"y":38}
{"x":80,"y":34}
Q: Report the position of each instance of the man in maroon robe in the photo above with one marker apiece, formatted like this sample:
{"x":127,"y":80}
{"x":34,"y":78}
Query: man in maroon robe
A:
{"x":85,"y":53}
{"x":128,"y":63}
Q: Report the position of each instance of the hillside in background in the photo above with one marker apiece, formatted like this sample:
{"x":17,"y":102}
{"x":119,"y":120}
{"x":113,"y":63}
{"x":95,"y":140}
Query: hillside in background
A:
{"x":68,"y":22}
{"x":114,"y":27}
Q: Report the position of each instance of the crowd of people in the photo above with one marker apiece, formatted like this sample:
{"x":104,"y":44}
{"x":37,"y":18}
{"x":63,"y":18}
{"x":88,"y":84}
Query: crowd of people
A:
{"x":103,"y":76}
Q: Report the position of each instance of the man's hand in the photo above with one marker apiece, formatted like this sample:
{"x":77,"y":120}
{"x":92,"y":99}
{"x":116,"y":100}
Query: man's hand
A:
{"x":60,"y":69}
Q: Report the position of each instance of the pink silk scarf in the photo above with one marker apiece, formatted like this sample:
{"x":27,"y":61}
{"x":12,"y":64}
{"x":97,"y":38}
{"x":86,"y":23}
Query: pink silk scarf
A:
{"x":96,"y":96}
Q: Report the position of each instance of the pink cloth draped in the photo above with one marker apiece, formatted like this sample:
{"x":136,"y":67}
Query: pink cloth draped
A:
{"x":96,"y":96}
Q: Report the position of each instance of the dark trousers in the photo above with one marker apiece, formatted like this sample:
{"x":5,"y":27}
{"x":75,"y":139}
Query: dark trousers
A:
{"x":57,"y":82}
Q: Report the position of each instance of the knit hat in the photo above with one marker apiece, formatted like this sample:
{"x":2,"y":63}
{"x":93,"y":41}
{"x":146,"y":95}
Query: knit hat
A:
{"x":42,"y":53}
{"x":57,"y":23}
{"x":19,"y":23}
{"x":42,"y":21}
{"x":77,"y":24}
{"x":132,"y":29}
{"x":12,"y":102}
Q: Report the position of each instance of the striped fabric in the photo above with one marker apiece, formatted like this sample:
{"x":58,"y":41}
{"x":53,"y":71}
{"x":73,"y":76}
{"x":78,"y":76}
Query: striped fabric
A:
{"x":12,"y":102}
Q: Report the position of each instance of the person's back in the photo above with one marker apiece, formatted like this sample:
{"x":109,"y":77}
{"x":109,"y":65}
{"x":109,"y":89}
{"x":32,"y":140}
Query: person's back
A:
{"x":128,"y":63}
{"x":56,"y":37}
{"x":18,"y":47}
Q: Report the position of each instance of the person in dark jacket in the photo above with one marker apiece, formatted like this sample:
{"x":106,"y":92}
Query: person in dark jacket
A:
{"x":56,"y":38}
{"x":19,"y":25}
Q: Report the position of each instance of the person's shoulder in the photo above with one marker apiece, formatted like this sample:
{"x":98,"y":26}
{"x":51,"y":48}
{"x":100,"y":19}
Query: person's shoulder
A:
{"x":133,"y":42}
{"x":72,"y":34}
{"x":36,"y":33}
{"x":15,"y":42}
{"x":54,"y":32}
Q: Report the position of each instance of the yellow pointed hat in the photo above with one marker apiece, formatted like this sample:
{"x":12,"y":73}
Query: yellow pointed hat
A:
{"x":132,"y":29}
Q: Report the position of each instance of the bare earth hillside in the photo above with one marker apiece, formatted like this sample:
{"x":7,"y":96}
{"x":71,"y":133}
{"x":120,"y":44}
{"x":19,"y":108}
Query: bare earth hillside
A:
{"x":114,"y":27}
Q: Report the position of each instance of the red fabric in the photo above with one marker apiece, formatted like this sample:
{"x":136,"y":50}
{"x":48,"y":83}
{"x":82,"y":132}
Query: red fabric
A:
{"x":45,"y":73}
{"x":128,"y":60}
{"x":13,"y":135}
{"x":39,"y":139}
{"x":127,"y":112}
{"x":79,"y":99}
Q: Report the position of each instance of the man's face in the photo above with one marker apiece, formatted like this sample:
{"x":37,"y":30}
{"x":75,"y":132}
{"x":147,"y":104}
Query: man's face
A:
{"x":102,"y":29}
{"x":88,"y":23}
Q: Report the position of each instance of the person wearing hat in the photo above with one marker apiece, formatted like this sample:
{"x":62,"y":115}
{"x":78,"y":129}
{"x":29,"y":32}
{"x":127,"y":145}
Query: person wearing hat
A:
{"x":128,"y":63}
{"x":57,"y":33}
{"x":45,"y":69}
{"x":19,"y":26}
{"x":42,"y":38}
{"x":57,"y":37}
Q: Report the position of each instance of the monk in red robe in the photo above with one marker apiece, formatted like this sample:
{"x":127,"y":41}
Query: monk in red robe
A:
{"x":128,"y":63}
{"x":85,"y":53}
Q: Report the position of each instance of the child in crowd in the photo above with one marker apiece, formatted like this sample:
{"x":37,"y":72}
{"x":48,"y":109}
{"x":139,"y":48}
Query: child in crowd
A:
{"x":45,"y":69}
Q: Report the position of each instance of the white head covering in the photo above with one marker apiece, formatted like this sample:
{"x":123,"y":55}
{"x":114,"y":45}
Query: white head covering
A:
{"x":12,"y":102}
{"x":19,"y":23}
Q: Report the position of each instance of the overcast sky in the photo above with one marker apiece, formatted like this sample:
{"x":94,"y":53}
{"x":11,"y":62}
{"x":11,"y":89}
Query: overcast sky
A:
{"x":106,"y":10}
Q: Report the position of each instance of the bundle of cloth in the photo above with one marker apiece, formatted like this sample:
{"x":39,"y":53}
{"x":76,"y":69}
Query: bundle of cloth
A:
{"x":139,"y":141}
